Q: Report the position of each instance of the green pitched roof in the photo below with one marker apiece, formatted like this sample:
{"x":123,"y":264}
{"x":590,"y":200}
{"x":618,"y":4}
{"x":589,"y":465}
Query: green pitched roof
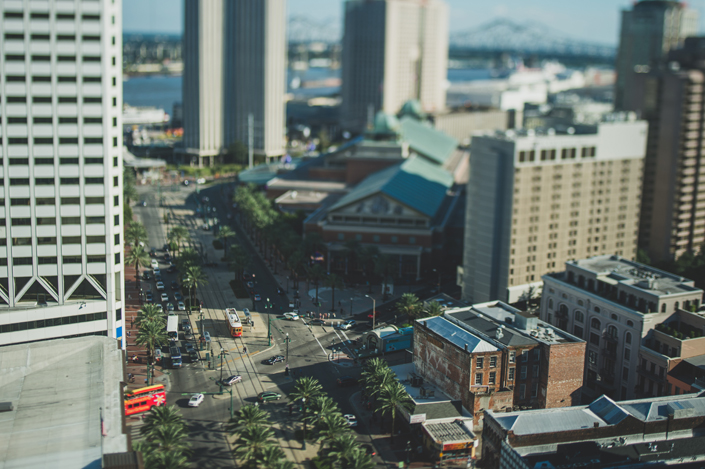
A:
{"x":426,"y":140}
{"x":416,"y":183}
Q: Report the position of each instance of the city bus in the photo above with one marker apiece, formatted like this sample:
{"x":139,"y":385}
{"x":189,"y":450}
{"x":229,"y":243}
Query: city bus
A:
{"x":234,"y":323}
{"x":172,"y":327}
{"x":143,"y":399}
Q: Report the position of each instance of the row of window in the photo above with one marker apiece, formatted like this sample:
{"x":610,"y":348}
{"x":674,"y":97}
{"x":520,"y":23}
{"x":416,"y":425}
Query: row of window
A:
{"x":50,"y":120}
{"x":376,"y":238}
{"x":511,"y":375}
{"x":47,"y":58}
{"x":62,"y":161}
{"x":64,"y":221}
{"x":23,"y":326}
{"x":47,"y":79}
{"x":62,"y":141}
{"x":54,"y":260}
{"x":52,"y":241}
{"x":43,"y":15}
{"x":62,"y":181}
{"x":61,"y":100}
{"x":52,"y":201}
{"x":47,"y":37}
{"x":550,"y":155}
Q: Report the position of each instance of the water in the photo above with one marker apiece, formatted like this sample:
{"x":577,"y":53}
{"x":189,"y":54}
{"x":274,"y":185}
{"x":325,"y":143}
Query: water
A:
{"x":163,"y":91}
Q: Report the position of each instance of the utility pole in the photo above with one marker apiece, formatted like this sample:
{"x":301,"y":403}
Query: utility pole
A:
{"x":374,"y":310}
{"x":250,"y":139}
{"x":222,"y":354}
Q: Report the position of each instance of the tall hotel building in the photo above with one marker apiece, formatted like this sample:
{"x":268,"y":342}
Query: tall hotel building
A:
{"x":672,"y":101}
{"x":393,"y":51}
{"x":234,"y":77}
{"x":537,"y":199}
{"x":61,"y":263}
{"x":649,"y":30}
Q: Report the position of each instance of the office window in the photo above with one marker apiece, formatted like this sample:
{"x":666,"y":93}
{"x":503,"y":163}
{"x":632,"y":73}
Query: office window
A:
{"x":44,"y":181}
{"x":116,"y":220}
{"x":46,"y":221}
{"x":70,"y":201}
{"x":93,"y":160}
{"x":69,"y":161}
{"x":95,"y":220}
{"x":578,"y":331}
{"x":47,"y":260}
{"x":40,"y":58}
{"x":94,"y":180}
{"x":66,"y":79}
{"x":493,"y":377}
{"x":627,"y":354}
{"x":537,"y":353}
{"x":19,"y":161}
{"x":93,"y":120}
{"x":42,"y":120}
{"x":117,"y":258}
{"x":41,"y":99}
{"x":116,"y":181}
{"x":493,"y":362}
{"x":68,"y":140}
{"x":43,"y":141}
{"x":92,"y":100}
{"x":68,"y":99}
{"x":65,"y":37}
{"x":71,"y":239}
{"x":478,"y":378}
{"x":70,"y":220}
{"x":94,"y":38}
{"x":92,"y":140}
{"x":91,"y":79}
{"x":68,"y":181}
{"x":21,"y":222}
{"x":68,"y":120}
{"x":480,"y":362}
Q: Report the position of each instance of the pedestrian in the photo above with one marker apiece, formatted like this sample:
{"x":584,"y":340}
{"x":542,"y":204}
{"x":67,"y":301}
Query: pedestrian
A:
{"x":244,"y":350}
{"x":128,"y":334}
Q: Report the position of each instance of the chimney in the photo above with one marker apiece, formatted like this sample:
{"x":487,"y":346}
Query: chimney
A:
{"x":466,"y":347}
{"x":596,"y":424}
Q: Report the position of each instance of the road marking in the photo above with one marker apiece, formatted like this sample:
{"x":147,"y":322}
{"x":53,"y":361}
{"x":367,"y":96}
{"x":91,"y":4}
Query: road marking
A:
{"x":319,"y":344}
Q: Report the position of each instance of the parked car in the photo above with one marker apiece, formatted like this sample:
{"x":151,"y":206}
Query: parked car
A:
{"x":152,"y":252}
{"x":291,"y":316}
{"x":178,"y":296}
{"x":174,"y":285}
{"x":257,"y":297}
{"x":181,"y":306}
{"x":167,"y":257}
{"x":165,"y":297}
{"x":158,"y":277}
{"x":350,"y":323}
{"x":160,"y":308}
{"x":351,"y":419}
{"x":147,"y":275}
{"x":196,"y":400}
{"x":160,"y":286}
{"x":155,"y":264}
{"x":148,"y":297}
{"x":274,"y":359}
{"x":269,"y":396}
{"x":347,"y":381}
{"x":170,"y":306}
{"x":229,"y":381}
{"x":185,"y":324}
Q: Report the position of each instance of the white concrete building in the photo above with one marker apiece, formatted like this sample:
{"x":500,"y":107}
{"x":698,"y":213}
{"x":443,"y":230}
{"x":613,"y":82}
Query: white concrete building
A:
{"x":234,"y":67}
{"x":61,"y":246}
{"x":539,"y":198}
{"x":612,"y":303}
{"x":393,"y":51}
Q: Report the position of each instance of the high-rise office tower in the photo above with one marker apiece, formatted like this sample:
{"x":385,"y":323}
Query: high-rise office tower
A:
{"x":61,"y":263}
{"x":234,"y":77}
{"x":673,"y":204}
{"x":537,"y":199}
{"x":649,"y":30}
{"x":393,"y":51}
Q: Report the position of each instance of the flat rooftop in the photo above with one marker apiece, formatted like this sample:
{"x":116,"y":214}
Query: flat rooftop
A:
{"x":603,"y":412}
{"x":60,"y":390}
{"x":457,"y":335}
{"x":617,"y":270}
{"x":434,"y":404}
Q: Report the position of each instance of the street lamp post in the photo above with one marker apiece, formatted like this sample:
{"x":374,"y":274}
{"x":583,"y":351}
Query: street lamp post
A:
{"x":351,"y":302}
{"x":374,"y":310}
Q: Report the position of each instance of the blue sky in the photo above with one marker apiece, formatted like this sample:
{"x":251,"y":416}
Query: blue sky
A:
{"x":592,"y":20}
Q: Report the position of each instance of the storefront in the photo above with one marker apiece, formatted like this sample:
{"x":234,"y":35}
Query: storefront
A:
{"x":450,"y":439}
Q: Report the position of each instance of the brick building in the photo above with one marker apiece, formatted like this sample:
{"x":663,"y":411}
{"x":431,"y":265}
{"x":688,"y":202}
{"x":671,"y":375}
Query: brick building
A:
{"x":493,"y":356}
{"x":639,"y":433}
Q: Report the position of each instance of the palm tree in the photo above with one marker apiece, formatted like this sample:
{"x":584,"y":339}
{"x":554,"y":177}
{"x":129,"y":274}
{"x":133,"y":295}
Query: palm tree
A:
{"x":238,"y":260}
{"x":188,"y":257}
{"x":171,"y":438}
{"x":248,"y":416}
{"x":136,"y":233}
{"x":151,"y":335}
{"x":316,"y":274}
{"x":324,"y":405}
{"x":409,"y":304}
{"x":359,"y":460}
{"x":166,"y":460}
{"x":149,"y":313}
{"x":342,"y":449}
{"x":138,"y":257}
{"x":160,"y":416}
{"x":434,"y":309}
{"x":177,"y":235}
{"x":253,"y":442}
{"x":333,"y":281}
{"x":385,"y":266}
{"x":306,"y":389}
{"x":224,"y":234}
{"x":128,"y":185}
{"x":331,"y":427}
{"x":271,"y":458}
{"x":393,"y":396}
{"x":193,"y":277}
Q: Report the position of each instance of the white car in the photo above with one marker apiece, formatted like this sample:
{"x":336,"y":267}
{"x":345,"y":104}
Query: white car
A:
{"x":351,"y":419}
{"x":160,"y":286}
{"x":195,"y":400}
{"x":165,"y":297}
{"x":157,"y":270}
{"x":181,"y":306}
{"x":155,"y":264}
{"x":347,"y":324}
{"x":291,"y":316}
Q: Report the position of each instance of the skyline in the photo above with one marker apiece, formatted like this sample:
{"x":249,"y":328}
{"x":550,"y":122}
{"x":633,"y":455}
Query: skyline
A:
{"x":597,"y":21}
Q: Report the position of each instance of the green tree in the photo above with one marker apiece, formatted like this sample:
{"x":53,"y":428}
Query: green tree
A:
{"x":434,"y":309}
{"x":138,"y":257}
{"x":295,"y":262}
{"x":129,"y":193}
{"x":161,"y":416}
{"x":359,"y":460}
{"x":330,"y":427}
{"x":224,"y":234}
{"x":248,"y":416}
{"x":252,"y":444}
{"x":305,"y":390}
{"x":136,"y":233}
{"x":273,"y":458}
{"x":342,"y":450}
{"x":333,"y":281}
{"x":150,"y":336}
{"x":149,"y":313}
{"x":392,"y":397}
{"x":177,"y":235}
{"x":193,"y":277}
{"x":238,"y":260}
{"x":188,"y":257}
{"x":155,"y":459}
{"x":410,"y":305}
{"x":171,"y":438}
{"x":236,"y":154}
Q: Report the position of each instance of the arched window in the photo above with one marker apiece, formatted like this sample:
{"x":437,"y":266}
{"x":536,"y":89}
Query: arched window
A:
{"x":550,"y":303}
{"x":612,"y":332}
{"x":630,"y":323}
{"x":580,"y":302}
{"x":595,"y":323}
{"x":597,"y":310}
{"x":563,"y":309}
{"x":614,"y":317}
{"x":579,"y":316}
{"x":628,"y":337}
{"x":663,"y":308}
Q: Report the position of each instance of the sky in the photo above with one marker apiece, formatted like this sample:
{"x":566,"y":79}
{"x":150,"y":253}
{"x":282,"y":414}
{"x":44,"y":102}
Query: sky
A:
{"x":591,"y":20}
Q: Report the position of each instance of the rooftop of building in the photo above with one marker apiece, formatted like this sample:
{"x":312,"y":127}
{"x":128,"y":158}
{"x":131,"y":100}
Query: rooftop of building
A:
{"x":600,"y":413}
{"x":427,"y":398}
{"x":65,"y":392}
{"x":509,"y":326}
{"x":416,"y":183}
{"x":457,"y":335}
{"x":446,"y":301}
{"x":615,"y":270}
{"x":458,"y":430}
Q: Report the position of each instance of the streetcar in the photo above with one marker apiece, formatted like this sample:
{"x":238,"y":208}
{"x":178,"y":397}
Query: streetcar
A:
{"x":234,"y":323}
{"x":143,"y":399}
